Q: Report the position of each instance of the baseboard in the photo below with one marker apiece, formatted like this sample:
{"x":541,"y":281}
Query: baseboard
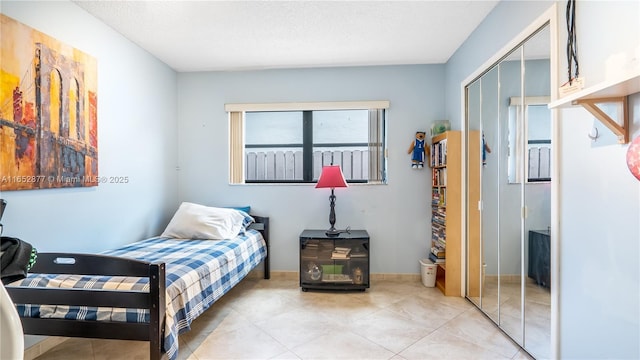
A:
{"x":43,"y":346}
{"x":396,"y":277}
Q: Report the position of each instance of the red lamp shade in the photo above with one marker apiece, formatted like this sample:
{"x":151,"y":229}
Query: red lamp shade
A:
{"x":331,"y":177}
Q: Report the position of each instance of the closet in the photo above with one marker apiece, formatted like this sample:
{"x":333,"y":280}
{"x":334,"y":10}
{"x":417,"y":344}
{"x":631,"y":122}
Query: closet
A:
{"x":508,"y":191}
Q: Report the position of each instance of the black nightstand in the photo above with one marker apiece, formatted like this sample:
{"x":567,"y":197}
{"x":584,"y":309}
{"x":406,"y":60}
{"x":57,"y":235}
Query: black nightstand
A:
{"x":334,"y":262}
{"x":540,"y":257}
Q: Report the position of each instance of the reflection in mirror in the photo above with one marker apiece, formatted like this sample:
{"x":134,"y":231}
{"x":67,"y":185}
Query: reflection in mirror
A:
{"x":490,"y":190}
{"x":537,"y":237}
{"x":534,"y":125}
{"x":510,"y":209}
{"x":508,"y":127}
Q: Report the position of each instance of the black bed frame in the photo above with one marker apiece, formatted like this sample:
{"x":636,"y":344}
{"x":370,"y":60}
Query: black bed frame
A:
{"x":88,"y":264}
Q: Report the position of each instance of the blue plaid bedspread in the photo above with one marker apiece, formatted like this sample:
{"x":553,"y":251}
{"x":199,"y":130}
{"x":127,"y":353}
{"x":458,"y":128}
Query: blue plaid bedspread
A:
{"x":198,"y":273}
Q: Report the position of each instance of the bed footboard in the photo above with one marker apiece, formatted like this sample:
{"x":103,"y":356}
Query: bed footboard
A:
{"x":87,"y":264}
{"x":262,"y":225}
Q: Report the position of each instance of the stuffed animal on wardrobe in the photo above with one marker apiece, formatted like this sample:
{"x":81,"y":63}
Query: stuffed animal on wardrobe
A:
{"x":419,"y":150}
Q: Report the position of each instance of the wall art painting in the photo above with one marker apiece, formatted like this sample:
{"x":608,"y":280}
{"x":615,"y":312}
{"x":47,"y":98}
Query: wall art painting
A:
{"x":48,"y":114}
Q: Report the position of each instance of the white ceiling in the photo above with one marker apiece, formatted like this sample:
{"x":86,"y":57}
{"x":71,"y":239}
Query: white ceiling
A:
{"x":239,"y":35}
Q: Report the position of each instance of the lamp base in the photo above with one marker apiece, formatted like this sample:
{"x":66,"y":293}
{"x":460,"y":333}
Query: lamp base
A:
{"x":332,"y":216}
{"x":332,"y":232}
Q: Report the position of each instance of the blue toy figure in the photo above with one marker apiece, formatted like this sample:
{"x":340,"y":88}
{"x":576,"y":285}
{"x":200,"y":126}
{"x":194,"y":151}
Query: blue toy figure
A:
{"x":485,"y":149}
{"x":418,"y":151}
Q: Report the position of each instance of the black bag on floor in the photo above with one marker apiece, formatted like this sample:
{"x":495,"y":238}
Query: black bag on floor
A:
{"x":17,"y":258}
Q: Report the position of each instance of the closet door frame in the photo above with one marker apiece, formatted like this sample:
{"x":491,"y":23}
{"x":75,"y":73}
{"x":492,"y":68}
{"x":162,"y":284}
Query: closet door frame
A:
{"x":550,"y":17}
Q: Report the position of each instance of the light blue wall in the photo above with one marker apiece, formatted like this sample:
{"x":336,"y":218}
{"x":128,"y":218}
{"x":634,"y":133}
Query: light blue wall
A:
{"x":136,"y":138}
{"x":396,"y":215}
{"x":599,"y":200}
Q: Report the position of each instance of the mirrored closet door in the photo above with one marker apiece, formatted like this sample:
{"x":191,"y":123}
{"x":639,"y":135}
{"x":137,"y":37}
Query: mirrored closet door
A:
{"x":508,"y":184}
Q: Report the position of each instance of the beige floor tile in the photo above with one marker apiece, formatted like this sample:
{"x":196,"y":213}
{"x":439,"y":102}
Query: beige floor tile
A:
{"x":342,"y":307}
{"x":432,"y":313}
{"x":70,"y":349}
{"x":246,"y":343}
{"x":441,"y":345}
{"x":114,"y":349}
{"x":274,"y":319}
{"x":342,"y":345}
{"x":217,"y":320}
{"x":391,"y":331}
{"x":299,"y":326}
{"x":473,"y":326}
{"x":259,"y":304}
{"x":384,"y":293}
{"x":288,"y":355}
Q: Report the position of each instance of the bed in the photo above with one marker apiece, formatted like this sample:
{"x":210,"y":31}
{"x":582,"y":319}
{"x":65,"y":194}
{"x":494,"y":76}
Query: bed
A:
{"x":149,"y":290}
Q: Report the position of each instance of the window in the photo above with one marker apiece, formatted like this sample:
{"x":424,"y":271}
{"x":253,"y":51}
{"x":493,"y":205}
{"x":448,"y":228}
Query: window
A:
{"x":289,"y":143}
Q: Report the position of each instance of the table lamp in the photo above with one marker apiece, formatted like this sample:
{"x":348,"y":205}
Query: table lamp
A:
{"x":331,"y":177}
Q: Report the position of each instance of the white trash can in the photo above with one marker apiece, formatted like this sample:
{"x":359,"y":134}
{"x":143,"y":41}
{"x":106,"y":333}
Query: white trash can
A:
{"x":428,"y":272}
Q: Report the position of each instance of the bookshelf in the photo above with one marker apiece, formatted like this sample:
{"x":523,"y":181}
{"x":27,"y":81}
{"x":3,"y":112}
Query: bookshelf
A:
{"x":446,"y":211}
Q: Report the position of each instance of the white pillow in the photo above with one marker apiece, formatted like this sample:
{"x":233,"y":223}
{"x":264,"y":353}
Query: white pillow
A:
{"x":193,"y":221}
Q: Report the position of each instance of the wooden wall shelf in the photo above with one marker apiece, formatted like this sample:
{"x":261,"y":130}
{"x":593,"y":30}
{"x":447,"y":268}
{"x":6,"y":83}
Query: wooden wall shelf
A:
{"x":610,"y":91}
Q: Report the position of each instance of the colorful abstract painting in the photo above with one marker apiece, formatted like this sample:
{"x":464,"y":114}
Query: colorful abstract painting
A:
{"x":48,"y":114}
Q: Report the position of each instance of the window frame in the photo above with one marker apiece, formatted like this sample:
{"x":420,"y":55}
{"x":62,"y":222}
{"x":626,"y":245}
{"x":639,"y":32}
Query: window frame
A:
{"x":376,"y":138}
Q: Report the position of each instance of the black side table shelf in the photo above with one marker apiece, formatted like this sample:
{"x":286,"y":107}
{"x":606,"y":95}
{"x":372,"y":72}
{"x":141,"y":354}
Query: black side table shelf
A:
{"x":334,"y":262}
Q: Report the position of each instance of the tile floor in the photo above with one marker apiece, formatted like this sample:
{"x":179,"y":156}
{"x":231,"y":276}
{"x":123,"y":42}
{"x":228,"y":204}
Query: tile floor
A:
{"x":274,"y":319}
{"x":537,"y":312}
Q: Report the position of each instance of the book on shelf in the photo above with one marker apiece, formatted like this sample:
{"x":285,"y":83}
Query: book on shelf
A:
{"x":439,"y":198}
{"x":336,"y":278}
{"x":439,"y":241}
{"x":439,"y":153}
{"x":340,"y":253}
{"x":311,"y":246}
{"x":438,"y":252}
{"x":435,"y":259}
{"x":439,"y":177}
